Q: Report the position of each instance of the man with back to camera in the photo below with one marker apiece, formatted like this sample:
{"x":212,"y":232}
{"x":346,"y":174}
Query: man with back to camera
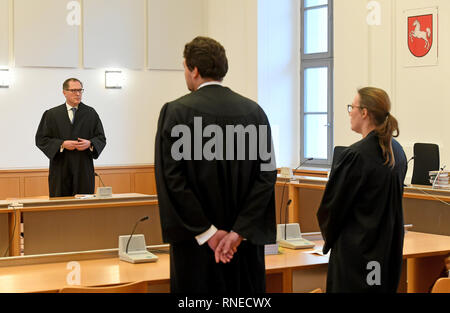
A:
{"x":71,"y":136}
{"x":217,"y":213}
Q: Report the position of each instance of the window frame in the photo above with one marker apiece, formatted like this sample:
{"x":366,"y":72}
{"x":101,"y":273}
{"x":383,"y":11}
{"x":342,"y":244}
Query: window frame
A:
{"x":315,"y":60}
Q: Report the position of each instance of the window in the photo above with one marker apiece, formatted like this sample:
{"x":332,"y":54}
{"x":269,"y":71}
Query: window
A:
{"x":317,"y":81}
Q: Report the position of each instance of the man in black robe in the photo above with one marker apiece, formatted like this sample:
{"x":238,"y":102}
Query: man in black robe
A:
{"x":71,"y":136}
{"x":216,"y":194}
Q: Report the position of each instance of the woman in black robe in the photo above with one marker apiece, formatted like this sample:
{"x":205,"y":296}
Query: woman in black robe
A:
{"x":361,"y":214}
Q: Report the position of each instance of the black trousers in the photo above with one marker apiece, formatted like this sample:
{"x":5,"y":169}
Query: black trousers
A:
{"x":193,"y":269}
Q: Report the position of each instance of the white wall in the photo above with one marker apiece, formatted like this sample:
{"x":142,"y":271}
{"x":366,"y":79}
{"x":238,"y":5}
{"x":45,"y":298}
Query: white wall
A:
{"x":129,"y":115}
{"x":372,"y":55}
{"x":262,"y":43}
{"x":279,"y":75}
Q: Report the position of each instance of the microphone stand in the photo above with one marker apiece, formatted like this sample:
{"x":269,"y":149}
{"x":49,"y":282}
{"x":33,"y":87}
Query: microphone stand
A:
{"x":135,"y":225}
{"x":284,"y":187}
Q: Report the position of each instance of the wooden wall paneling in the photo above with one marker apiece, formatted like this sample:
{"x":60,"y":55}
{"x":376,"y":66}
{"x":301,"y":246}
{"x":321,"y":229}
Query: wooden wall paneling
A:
{"x":281,"y":195}
{"x":9,"y":187}
{"x":36,"y":186}
{"x":34,"y":182}
{"x":145,"y":183}
{"x":427,"y":216}
{"x":14,"y":232}
{"x":4,"y":233}
{"x":88,"y":229}
{"x":308,"y":204}
{"x":120,"y":182}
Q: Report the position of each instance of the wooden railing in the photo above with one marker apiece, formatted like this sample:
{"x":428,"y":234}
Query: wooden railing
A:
{"x":34,"y":182}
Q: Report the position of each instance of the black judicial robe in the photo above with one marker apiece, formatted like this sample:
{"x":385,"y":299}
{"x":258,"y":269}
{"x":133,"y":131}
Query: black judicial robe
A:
{"x":361,"y":219}
{"x":229,"y":194}
{"x":71,"y":172}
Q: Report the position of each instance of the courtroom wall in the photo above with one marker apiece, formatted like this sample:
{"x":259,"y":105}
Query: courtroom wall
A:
{"x":130,"y":114}
{"x":373,"y":55}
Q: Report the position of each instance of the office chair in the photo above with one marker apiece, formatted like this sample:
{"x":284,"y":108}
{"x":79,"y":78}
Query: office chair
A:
{"x":136,"y":287}
{"x":426,"y":158}
{"x":442,"y":285}
{"x":336,"y":155}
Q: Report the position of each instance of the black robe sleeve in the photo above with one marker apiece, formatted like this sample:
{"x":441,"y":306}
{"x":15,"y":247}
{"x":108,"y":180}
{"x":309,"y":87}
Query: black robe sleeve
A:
{"x":179,"y":205}
{"x":257,"y":216}
{"x":45,"y":139}
{"x":343,"y":186}
{"x":99,"y":139}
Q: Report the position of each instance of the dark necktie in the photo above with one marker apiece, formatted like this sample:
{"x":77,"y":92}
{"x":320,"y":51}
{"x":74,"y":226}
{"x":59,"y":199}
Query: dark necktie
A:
{"x":73,"y":117}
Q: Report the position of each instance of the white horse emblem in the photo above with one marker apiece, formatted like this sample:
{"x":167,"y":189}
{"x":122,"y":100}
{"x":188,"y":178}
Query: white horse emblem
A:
{"x":417,"y":33}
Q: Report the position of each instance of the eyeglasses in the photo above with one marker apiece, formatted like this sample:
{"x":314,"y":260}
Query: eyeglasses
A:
{"x":75,"y":90}
{"x":350,"y":107}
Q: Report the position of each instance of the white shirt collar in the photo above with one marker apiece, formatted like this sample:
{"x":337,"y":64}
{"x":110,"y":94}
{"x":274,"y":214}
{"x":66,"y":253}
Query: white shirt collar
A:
{"x":69,"y":108}
{"x":209,"y":84}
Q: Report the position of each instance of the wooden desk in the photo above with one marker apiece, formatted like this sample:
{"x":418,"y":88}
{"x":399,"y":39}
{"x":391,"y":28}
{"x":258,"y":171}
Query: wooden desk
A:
{"x":67,"y":224}
{"x":424,"y":255}
{"x":422,"y":205}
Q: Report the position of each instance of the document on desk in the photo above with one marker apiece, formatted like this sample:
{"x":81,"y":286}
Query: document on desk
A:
{"x":317,"y":251}
{"x":84,"y":196}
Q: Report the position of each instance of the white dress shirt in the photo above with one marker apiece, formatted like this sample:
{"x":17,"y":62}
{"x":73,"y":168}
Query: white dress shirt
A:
{"x":70,"y":113}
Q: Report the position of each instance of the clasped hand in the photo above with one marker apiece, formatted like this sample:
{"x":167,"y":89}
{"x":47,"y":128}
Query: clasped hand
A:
{"x":80,"y":145}
{"x":224,"y":244}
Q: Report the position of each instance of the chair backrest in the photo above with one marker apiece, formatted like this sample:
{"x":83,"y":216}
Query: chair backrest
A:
{"x":426,"y":158}
{"x":442,"y":285}
{"x":336,"y":155}
{"x":136,"y":287}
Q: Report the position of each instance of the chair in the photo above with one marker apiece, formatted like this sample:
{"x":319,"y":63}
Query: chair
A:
{"x":426,"y":158}
{"x":336,"y":155}
{"x":136,"y":287}
{"x":442,"y":285}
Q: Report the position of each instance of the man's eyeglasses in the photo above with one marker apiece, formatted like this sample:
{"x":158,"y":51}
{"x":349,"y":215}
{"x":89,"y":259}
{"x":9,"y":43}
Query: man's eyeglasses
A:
{"x":351,"y":106}
{"x":75,"y":90}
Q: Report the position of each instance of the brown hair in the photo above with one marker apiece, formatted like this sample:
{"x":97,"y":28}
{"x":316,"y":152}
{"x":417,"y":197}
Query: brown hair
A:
{"x":378,"y":105}
{"x":208,"y":56}
{"x":66,"y":82}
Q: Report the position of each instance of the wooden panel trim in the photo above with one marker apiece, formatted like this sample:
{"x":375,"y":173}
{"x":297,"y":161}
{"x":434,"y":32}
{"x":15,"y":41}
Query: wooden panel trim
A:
{"x":109,"y":167}
{"x":426,"y":197}
{"x":87,"y":206}
{"x":26,"y":181}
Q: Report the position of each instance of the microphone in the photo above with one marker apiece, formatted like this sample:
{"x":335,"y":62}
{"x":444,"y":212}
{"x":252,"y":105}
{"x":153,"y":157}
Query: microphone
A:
{"x":412,"y":158}
{"x":285,"y":213}
{"x":135,"y":225}
{"x":101,"y":180}
{"x":284,"y":187}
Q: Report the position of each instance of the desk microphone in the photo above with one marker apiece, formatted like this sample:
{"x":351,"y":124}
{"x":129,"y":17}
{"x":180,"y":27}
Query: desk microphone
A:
{"x":412,"y":158}
{"x":135,"y":225}
{"x":284,"y":186}
{"x":101,"y":180}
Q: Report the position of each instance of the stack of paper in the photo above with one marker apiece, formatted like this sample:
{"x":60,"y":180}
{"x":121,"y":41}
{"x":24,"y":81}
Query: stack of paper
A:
{"x":440,"y":179}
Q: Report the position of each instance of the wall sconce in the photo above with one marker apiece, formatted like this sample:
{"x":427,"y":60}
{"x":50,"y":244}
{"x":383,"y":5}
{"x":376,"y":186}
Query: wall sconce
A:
{"x":113,"y":79}
{"x":4,"y":78}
